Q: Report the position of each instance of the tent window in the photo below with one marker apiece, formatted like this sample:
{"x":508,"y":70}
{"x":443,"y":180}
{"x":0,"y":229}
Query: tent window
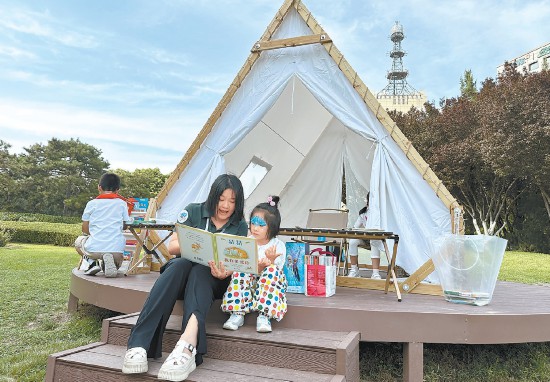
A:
{"x":253,"y":175}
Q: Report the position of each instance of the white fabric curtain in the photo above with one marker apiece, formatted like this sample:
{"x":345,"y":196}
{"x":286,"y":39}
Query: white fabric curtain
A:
{"x":312,"y":186}
{"x":257,"y":94}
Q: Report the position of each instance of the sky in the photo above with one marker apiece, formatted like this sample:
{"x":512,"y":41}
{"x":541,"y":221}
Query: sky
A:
{"x":138,"y":79}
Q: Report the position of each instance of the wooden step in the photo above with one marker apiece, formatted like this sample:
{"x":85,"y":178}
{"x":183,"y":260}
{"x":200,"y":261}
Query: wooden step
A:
{"x":332,"y":353}
{"x":103,"y":362}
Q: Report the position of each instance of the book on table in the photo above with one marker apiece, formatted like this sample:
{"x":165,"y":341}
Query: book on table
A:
{"x":237,"y":253}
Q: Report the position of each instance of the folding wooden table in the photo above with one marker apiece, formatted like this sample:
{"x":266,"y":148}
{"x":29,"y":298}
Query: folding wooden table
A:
{"x":142,"y":254}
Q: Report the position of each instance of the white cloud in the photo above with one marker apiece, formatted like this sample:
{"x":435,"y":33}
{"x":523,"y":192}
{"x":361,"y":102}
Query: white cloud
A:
{"x":248,"y":15}
{"x":212,"y":90}
{"x":116,"y":135}
{"x":43,"y":25}
{"x":124,"y":93}
{"x":16,"y":53}
{"x":163,"y":57}
{"x":201,"y":78}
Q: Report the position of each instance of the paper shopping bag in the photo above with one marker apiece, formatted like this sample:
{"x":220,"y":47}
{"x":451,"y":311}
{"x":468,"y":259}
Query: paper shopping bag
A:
{"x":320,"y":273}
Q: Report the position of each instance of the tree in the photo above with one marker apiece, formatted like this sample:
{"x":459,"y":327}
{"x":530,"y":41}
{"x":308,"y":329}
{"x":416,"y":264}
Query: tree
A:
{"x":530,"y":228}
{"x":489,"y":148}
{"x":418,"y":126}
{"x":142,"y":183}
{"x":486,"y":198}
{"x":468,"y":86}
{"x":515,"y":115}
{"x":449,"y":140}
{"x":58,"y":178}
{"x":8,"y":187}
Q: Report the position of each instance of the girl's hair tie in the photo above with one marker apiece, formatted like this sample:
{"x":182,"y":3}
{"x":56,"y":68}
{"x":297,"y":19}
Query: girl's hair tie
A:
{"x":270,"y":201}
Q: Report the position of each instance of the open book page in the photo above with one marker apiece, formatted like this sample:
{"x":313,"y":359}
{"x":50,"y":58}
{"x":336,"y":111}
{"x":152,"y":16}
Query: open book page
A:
{"x":238,"y":253}
{"x":196,"y":244}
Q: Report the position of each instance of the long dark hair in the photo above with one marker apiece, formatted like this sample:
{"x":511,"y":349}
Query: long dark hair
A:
{"x":271,"y":214}
{"x":365,"y":209}
{"x":222,"y":183}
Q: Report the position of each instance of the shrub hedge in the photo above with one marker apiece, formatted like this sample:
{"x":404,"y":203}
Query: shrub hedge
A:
{"x":42,"y":232}
{"x":5,"y":237}
{"x":26,"y":217}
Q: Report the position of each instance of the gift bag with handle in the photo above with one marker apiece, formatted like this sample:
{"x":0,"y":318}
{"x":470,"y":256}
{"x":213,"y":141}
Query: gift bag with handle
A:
{"x":320,"y":273}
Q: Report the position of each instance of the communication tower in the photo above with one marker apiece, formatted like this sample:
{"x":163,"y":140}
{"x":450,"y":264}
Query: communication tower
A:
{"x":399,"y":94}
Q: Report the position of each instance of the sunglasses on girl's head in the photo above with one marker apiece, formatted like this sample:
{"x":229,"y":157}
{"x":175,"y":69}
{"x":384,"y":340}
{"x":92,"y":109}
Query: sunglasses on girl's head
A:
{"x":256,"y":220}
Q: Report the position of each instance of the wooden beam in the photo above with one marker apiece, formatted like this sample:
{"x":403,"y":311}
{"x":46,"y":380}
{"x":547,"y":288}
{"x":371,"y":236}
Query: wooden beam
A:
{"x":290,"y":42}
{"x":420,"y":274}
{"x":163,"y":249}
{"x":366,"y":283}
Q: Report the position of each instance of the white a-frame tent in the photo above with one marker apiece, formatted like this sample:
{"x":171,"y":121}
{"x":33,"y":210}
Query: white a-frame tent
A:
{"x":298,"y":112}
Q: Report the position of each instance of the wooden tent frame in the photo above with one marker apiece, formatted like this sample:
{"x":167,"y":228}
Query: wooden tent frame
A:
{"x":320,"y":37}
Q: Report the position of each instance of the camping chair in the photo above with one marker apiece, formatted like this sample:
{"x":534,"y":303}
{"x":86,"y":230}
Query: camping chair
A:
{"x":332,"y":218}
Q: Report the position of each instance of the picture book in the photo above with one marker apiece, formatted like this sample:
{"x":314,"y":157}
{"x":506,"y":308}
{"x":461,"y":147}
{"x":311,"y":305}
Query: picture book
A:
{"x":294,"y":266}
{"x":238,"y":253}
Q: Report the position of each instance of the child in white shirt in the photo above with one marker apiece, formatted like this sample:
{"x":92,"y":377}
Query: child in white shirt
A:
{"x":102,"y":224}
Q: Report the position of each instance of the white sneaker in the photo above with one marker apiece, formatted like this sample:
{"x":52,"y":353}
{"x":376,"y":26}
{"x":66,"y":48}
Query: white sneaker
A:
{"x":354,"y":272}
{"x":135,"y":361}
{"x":179,"y":364}
{"x":93,"y":270}
{"x":234,"y":322}
{"x":87,"y":263}
{"x":376,"y":276}
{"x":262,"y":324}
{"x":109,"y":265}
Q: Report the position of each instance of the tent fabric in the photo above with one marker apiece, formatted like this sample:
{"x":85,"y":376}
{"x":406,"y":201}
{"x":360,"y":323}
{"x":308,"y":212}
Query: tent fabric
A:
{"x":297,"y":112}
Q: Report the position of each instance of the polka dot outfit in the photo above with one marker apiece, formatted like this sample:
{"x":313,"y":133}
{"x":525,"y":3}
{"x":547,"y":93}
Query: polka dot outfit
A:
{"x":264,"y":293}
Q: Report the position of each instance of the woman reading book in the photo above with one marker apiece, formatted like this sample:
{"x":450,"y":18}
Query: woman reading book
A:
{"x":196,"y":284}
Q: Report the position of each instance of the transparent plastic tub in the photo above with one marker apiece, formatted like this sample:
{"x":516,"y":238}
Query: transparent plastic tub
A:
{"x":468,"y":266}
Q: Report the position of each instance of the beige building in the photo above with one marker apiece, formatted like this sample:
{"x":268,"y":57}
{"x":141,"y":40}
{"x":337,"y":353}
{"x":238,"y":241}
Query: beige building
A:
{"x":402,"y":103}
{"x":532,"y":62}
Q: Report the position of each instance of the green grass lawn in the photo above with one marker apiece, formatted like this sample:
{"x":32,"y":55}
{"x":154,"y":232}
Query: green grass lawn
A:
{"x":526,"y":268}
{"x":34,"y":290}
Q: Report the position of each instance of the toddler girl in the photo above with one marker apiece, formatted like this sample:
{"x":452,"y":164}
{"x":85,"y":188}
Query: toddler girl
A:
{"x":263,"y":293}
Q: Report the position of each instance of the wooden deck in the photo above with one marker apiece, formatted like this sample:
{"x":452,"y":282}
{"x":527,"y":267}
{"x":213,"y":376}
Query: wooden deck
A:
{"x":518,"y":313}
